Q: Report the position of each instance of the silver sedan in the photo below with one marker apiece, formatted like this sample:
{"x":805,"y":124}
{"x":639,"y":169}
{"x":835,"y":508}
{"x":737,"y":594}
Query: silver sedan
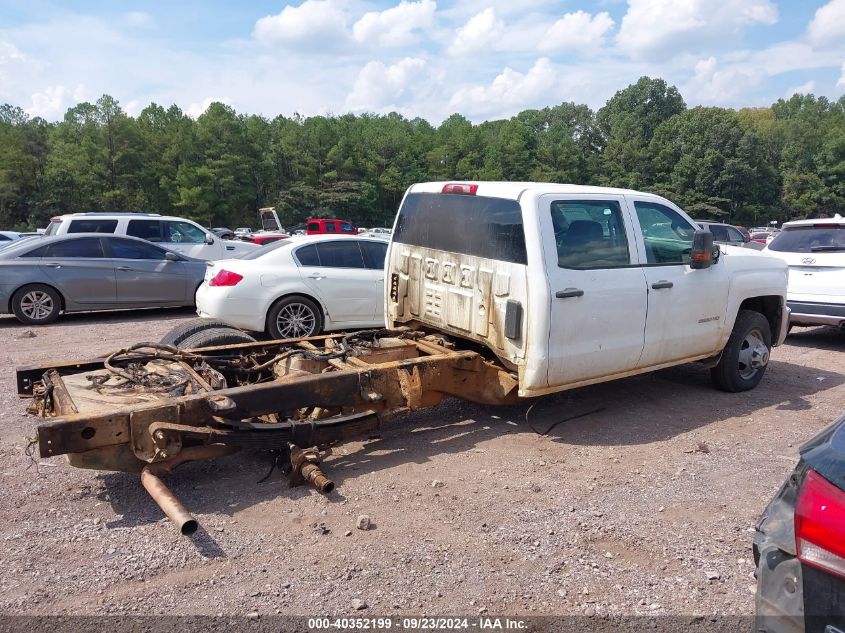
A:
{"x":42,"y":277}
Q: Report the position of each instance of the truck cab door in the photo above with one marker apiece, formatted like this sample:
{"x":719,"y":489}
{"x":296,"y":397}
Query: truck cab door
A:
{"x":597,"y":288}
{"x":686,"y":307}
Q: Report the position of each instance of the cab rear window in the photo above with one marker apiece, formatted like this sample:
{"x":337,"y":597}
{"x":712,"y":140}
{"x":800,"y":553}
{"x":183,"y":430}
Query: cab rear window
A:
{"x":472,"y":225}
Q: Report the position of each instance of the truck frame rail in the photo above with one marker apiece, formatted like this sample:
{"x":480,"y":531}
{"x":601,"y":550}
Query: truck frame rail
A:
{"x":151,"y":407}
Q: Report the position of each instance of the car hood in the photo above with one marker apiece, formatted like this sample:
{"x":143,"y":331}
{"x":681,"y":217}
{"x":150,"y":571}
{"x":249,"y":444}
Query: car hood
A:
{"x":825,"y":453}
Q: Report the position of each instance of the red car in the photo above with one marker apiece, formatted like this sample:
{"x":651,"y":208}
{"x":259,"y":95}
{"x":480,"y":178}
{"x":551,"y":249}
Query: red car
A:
{"x":323,"y":226}
{"x":267,"y":238}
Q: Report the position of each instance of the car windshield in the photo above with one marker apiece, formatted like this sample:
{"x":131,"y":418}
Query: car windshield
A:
{"x":268,"y":248}
{"x":813,"y":238}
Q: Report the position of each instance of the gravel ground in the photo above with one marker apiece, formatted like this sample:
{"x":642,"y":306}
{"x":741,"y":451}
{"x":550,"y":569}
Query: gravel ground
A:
{"x":643,"y":504}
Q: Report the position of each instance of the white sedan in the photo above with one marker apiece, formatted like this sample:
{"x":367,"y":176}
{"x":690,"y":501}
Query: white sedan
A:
{"x":299,"y":287}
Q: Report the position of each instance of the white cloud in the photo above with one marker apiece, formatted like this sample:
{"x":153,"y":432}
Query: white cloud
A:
{"x":712,"y":86}
{"x":578,"y":31}
{"x":510,"y":90}
{"x":652,"y":29}
{"x":395,"y":26}
{"x":314,"y":23}
{"x":806,"y":88}
{"x":50,"y":103}
{"x":481,"y":30}
{"x":198,"y":109}
{"x":139,"y":19}
{"x":828,"y":24}
{"x":380,"y":87}
{"x":841,"y":82}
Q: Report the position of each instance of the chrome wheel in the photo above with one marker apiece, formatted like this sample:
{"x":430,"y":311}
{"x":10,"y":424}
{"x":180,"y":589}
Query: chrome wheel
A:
{"x":753,"y":354}
{"x":37,"y":305}
{"x":295,"y":320}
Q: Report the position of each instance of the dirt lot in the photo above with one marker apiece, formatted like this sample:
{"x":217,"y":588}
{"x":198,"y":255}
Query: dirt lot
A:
{"x":627,"y":509}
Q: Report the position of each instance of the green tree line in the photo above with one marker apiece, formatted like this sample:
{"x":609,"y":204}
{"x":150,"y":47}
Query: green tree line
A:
{"x":747,"y":166}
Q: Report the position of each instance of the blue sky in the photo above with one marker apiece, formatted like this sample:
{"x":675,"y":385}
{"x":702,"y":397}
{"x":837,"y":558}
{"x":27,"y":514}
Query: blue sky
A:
{"x":483,"y":58}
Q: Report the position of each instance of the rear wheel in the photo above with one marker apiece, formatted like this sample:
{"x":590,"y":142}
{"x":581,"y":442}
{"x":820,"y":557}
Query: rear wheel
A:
{"x":746,"y":356}
{"x":188,"y":328}
{"x":294,"y":317}
{"x":36,"y":304}
{"x":215,"y":336}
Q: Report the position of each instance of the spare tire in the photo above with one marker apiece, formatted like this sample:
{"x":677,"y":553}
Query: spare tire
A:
{"x":188,"y":328}
{"x":215,"y":336}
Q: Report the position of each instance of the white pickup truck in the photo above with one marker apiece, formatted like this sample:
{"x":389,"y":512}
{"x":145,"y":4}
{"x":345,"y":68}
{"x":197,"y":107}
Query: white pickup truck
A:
{"x":495,"y":291}
{"x":571,"y":285}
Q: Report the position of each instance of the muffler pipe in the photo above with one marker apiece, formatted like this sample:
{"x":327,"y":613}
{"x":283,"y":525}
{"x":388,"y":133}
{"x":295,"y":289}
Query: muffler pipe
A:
{"x":168,"y":502}
{"x":164,"y":497}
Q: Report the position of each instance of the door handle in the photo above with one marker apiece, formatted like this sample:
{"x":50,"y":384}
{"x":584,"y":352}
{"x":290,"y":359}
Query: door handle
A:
{"x":316,"y":276}
{"x":659,"y":285}
{"x":124,"y":268}
{"x":53,"y":265}
{"x":569,"y":292}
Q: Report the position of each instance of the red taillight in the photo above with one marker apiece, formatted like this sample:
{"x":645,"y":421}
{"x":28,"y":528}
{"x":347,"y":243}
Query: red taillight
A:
{"x":820,"y":524}
{"x":225,"y":278}
{"x":459,"y":187}
{"x":826,"y":226}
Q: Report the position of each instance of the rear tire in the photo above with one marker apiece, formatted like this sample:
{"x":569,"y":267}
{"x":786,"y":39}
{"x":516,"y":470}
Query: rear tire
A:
{"x":188,"y":328}
{"x":36,"y":304}
{"x":294,"y":317}
{"x":215,"y":336}
{"x":746,"y":356}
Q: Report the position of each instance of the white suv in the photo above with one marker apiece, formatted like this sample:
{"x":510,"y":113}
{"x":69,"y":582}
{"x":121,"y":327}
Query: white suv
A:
{"x":177,"y":234}
{"x":815,"y":253}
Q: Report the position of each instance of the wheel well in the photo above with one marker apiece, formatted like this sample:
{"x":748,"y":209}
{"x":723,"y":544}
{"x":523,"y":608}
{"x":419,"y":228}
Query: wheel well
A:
{"x":769,"y":307}
{"x":36,"y":283}
{"x":315,"y":300}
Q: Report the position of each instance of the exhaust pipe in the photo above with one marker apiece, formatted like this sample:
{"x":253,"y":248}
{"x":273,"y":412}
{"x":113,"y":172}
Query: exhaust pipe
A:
{"x":164,"y":497}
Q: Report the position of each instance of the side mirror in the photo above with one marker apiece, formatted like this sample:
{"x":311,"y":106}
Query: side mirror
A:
{"x":209,"y":239}
{"x":171,"y":257}
{"x":701,"y":254}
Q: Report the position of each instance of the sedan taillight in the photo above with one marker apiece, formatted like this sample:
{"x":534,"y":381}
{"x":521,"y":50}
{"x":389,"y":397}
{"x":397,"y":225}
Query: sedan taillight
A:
{"x":225,"y":278}
{"x":820,"y":524}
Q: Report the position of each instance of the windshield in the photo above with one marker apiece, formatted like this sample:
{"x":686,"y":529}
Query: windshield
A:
{"x":813,"y":238}
{"x":267,"y":248}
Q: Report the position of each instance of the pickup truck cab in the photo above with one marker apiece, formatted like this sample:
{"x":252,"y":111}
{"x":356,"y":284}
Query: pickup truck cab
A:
{"x":572,"y":285}
{"x":323,"y":226}
{"x":176,"y":234}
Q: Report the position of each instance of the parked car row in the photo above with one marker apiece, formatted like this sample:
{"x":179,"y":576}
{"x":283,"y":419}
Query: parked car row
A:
{"x":42,"y":277}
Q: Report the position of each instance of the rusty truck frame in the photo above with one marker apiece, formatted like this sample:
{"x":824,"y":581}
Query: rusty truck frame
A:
{"x":151,"y":407}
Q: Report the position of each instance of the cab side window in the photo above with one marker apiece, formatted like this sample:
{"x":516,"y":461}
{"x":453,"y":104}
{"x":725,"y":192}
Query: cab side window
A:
{"x":589,"y":234}
{"x":92,"y":226}
{"x":149,"y":230}
{"x":720,"y":233}
{"x":184,"y":233}
{"x":130,"y":249}
{"x":667,"y":235}
{"x":87,"y":248}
